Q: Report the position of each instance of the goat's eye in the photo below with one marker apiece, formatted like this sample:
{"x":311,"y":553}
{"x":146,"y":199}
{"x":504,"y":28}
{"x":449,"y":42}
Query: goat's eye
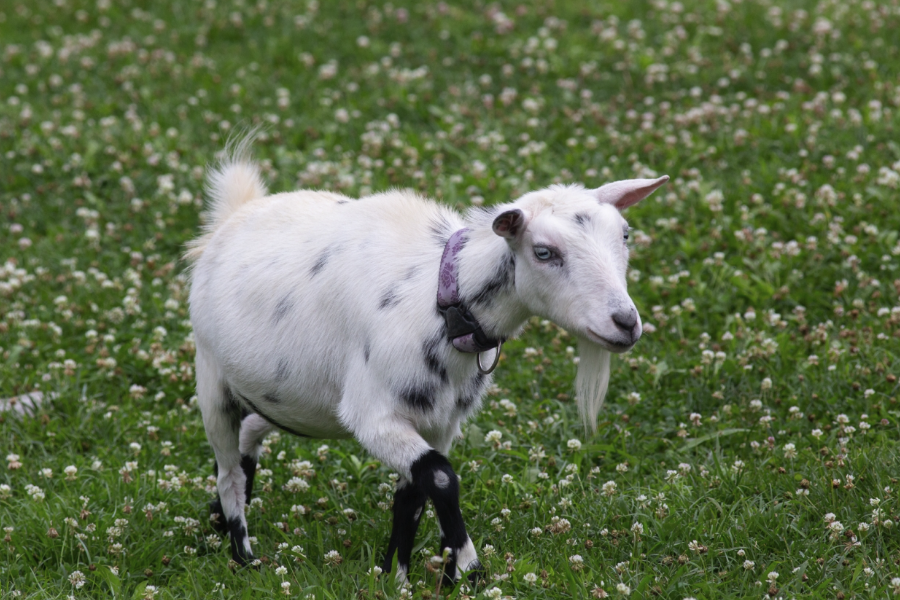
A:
{"x":542,"y":253}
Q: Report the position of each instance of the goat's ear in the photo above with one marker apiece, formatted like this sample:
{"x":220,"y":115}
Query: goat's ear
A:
{"x":510,"y":224}
{"x":628,"y":192}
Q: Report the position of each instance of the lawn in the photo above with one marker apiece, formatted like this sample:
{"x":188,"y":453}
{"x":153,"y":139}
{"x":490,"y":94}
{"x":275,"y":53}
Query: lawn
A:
{"x":748,"y":444}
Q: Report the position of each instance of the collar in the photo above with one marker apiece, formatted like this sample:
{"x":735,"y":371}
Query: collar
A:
{"x":463,"y":329}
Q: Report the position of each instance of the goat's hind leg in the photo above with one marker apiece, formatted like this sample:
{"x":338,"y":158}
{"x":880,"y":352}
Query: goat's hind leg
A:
{"x":254,"y":429}
{"x":222,"y":415}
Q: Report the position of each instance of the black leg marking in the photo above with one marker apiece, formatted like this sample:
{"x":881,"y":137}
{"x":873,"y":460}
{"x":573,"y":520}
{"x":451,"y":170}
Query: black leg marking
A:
{"x":433,"y":474}
{"x":504,"y":276}
{"x":272,"y":398}
{"x":248,"y":465}
{"x":433,"y":359}
{"x":238,"y":533}
{"x":389,"y":299}
{"x":282,"y":308}
{"x":418,"y":397}
{"x":581,"y":219}
{"x":409,"y":502}
{"x":321,"y":261}
{"x":282,"y":370}
{"x":215,"y":508}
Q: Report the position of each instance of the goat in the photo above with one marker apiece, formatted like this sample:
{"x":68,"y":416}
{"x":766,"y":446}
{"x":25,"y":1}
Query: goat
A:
{"x":316,"y":313}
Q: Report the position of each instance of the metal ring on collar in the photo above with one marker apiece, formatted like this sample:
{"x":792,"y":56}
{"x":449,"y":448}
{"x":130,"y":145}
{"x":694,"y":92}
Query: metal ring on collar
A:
{"x":493,"y":366}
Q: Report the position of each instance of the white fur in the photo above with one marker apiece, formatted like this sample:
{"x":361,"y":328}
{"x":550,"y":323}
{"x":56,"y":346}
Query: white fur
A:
{"x":288,"y":295}
{"x":253,"y":430}
{"x":466,"y":559}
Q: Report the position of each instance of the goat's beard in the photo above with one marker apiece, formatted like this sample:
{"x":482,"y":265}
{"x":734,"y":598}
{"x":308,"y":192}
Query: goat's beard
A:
{"x":591,"y":382}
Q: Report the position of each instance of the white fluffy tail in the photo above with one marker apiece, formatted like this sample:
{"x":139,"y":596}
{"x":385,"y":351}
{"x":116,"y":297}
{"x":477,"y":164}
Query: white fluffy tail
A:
{"x":233,"y":182}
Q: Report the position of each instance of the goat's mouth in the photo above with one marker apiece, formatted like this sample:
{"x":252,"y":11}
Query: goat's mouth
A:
{"x":615,"y":346}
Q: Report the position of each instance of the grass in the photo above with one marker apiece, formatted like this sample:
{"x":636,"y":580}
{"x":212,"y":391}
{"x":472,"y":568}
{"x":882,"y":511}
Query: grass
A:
{"x":749,"y":438}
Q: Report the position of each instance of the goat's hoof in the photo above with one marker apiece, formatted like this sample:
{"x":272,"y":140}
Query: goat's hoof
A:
{"x":238,"y":563}
{"x":475,"y":572}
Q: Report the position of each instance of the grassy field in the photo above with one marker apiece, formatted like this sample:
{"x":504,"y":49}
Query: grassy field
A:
{"x":748,"y":445}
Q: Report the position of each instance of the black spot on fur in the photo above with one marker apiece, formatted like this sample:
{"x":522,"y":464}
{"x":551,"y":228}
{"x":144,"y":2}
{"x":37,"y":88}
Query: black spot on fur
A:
{"x":418,"y":397}
{"x":320,"y":263}
{"x":282,"y":308}
{"x":410,"y":273}
{"x":432,"y":358}
{"x":342,"y":201}
{"x":472,"y":391}
{"x":366,"y":351}
{"x":503,"y":276}
{"x":389,"y":299}
{"x":282,"y":370}
{"x":441,"y":229}
{"x":581,"y":219}
{"x":272,"y":398}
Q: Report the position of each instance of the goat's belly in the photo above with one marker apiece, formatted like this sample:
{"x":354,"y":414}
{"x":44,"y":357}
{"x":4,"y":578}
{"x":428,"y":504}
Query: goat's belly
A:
{"x":303,"y":416}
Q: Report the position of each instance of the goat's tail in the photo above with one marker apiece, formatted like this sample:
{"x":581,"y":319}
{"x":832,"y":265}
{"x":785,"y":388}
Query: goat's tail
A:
{"x":233,"y":182}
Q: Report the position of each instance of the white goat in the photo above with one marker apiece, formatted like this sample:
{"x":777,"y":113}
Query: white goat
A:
{"x":323,"y":316}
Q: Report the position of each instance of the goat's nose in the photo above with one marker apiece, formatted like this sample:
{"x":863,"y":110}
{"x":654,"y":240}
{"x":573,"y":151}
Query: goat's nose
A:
{"x":625,"y":319}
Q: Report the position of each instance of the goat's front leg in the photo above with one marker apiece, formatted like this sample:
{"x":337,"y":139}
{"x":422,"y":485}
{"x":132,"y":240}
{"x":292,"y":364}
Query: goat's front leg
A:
{"x":434,"y":475}
{"x":409,"y":502}
{"x":368,"y":411}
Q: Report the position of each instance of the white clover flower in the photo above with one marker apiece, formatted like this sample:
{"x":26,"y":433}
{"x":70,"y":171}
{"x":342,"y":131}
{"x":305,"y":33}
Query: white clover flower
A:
{"x":77,"y":579}
{"x":295,"y":485}
{"x":609,"y":488}
{"x":530,"y":578}
{"x":623,"y":589}
{"x":748,"y":565}
{"x":574,"y":445}
{"x":790,"y":451}
{"x":493,"y":437}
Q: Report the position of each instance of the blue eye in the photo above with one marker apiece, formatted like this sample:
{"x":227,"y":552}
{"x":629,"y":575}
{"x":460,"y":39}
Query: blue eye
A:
{"x":542,"y":253}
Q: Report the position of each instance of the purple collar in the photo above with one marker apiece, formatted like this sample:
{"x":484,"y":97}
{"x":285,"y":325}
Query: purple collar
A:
{"x":463,"y":329}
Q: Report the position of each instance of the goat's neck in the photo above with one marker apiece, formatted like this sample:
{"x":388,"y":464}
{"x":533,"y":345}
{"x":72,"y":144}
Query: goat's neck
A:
{"x":504,"y":314}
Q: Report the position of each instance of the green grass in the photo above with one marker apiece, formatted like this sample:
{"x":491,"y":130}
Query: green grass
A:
{"x":775,"y":242}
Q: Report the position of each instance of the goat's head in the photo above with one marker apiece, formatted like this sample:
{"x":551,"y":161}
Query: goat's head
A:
{"x":571,"y":262}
